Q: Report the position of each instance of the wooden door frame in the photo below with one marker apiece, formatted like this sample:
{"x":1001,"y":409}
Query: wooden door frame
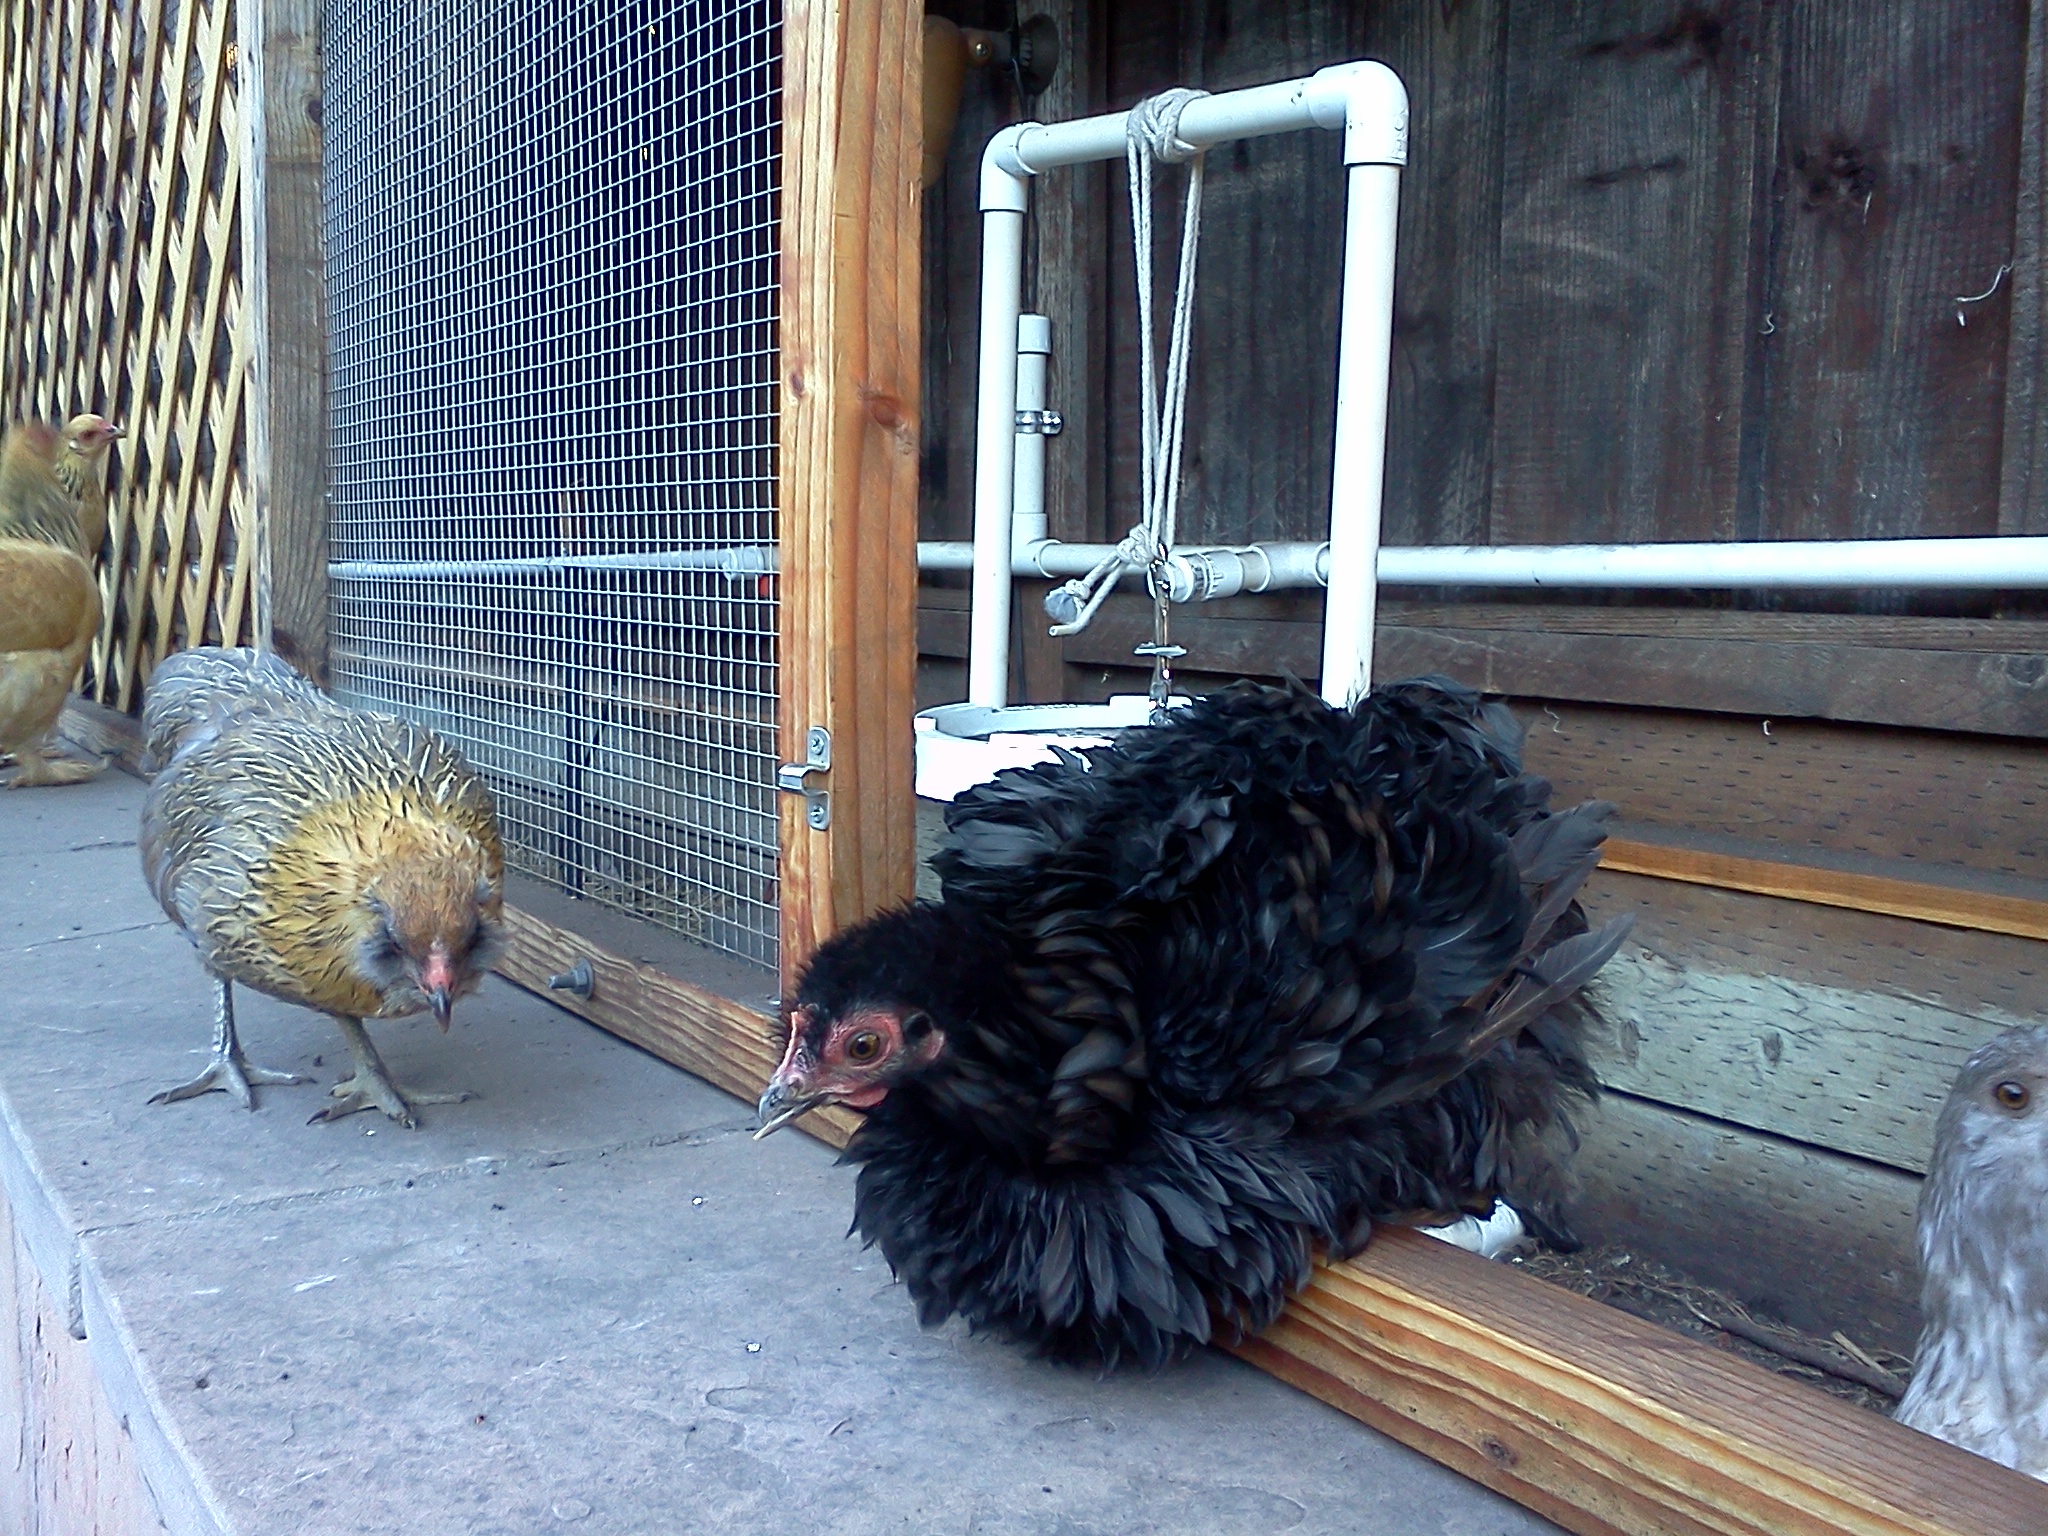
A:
{"x":848,"y":376}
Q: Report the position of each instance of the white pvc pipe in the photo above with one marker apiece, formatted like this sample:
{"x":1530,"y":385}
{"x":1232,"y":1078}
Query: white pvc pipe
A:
{"x":1027,"y":510}
{"x":740,"y":560}
{"x":1366,"y":100}
{"x":1359,"y":464}
{"x":995,"y":436}
{"x":1981,"y":564}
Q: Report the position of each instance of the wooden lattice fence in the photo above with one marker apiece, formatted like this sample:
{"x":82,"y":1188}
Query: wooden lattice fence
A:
{"x":121,"y":292}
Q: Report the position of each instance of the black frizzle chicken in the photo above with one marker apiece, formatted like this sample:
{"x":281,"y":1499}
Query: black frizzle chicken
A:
{"x":1241,"y":985}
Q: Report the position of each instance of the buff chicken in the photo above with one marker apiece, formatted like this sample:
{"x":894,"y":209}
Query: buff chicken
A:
{"x":52,"y":519}
{"x":344,"y":861}
{"x":1237,"y":987}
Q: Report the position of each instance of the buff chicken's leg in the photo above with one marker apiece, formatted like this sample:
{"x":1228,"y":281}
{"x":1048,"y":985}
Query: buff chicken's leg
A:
{"x":32,"y":768}
{"x":371,"y":1086}
{"x":229,"y":1071}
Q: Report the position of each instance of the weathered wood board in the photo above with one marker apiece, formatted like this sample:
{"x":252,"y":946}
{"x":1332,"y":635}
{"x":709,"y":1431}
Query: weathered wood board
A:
{"x":1949,"y":675}
{"x":1610,"y":1425}
{"x":1625,"y":239}
{"x":1798,"y":1234}
{"x":1896,"y":178}
{"x":1847,"y":1069}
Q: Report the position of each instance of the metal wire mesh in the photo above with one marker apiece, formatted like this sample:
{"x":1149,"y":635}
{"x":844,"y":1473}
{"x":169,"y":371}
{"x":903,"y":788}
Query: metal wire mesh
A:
{"x":551,"y":244}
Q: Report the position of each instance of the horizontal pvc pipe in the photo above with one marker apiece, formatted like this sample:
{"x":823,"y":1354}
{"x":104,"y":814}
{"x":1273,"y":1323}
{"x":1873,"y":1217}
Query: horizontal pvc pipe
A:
{"x":742,"y":560}
{"x":1344,"y":96}
{"x":1804,"y":563}
{"x":1985,"y":563}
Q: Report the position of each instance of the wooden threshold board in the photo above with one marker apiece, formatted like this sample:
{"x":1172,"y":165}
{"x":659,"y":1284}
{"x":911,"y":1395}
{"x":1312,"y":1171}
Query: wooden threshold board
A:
{"x":1607,"y":1425}
{"x":1947,"y":905}
{"x":728,"y":1044}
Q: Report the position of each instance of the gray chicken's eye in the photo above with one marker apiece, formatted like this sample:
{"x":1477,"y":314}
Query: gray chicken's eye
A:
{"x":2012,"y":1096}
{"x":864,"y":1047}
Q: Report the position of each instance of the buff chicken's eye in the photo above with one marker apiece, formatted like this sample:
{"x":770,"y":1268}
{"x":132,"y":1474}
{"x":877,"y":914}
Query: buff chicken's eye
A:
{"x":2010,"y":1095}
{"x":864,"y":1047}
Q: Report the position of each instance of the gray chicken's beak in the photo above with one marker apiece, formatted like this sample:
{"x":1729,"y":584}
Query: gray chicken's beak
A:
{"x":443,"y":1006}
{"x":781,"y":1104}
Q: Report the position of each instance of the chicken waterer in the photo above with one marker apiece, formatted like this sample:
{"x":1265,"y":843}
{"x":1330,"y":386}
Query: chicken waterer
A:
{"x":959,"y":745}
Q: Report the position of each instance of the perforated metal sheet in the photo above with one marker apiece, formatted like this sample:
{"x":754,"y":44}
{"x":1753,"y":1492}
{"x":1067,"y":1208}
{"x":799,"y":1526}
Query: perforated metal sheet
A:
{"x":551,"y":237}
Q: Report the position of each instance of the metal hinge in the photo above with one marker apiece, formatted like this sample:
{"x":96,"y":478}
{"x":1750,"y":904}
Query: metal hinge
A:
{"x":1047,"y":423}
{"x":789,"y":777}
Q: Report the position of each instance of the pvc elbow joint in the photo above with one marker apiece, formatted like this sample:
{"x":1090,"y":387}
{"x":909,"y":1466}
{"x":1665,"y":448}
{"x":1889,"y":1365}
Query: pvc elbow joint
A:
{"x":1004,"y":175}
{"x":1368,"y":101}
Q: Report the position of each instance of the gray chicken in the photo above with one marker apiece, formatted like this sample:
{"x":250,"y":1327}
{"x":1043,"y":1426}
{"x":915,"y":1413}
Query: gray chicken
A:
{"x":339,"y":860}
{"x":1981,"y":1379}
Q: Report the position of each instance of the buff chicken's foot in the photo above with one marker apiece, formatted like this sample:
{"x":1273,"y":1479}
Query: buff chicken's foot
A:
{"x":371,"y":1086}
{"x":32,"y":769}
{"x":229,"y":1071}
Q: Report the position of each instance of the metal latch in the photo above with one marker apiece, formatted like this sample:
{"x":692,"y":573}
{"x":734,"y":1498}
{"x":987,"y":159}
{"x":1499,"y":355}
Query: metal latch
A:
{"x":789,"y":777}
{"x":1045,"y":423}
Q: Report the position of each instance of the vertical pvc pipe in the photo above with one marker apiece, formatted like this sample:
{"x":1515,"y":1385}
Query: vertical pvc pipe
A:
{"x":995,"y":428}
{"x":1027,"y":514}
{"x":1359,"y":470}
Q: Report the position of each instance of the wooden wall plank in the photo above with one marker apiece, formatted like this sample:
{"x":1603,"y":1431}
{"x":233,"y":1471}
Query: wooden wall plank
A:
{"x":1924,"y":901}
{"x":1625,"y":235}
{"x":1895,"y":181}
{"x":2023,"y":488}
{"x":1972,"y":974}
{"x":1440,"y":413}
{"x":1952,"y":675}
{"x":1942,"y":802}
{"x":848,"y":452}
{"x":286,"y":288}
{"x":1797,"y":1234}
{"x":1852,"y":1070}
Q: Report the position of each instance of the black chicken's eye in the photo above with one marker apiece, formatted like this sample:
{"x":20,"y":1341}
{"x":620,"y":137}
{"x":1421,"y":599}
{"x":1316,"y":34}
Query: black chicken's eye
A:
{"x":864,"y":1047}
{"x":2011,"y":1095}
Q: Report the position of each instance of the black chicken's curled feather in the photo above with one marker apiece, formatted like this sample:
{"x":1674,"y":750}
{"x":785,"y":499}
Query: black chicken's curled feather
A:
{"x":1230,"y":991}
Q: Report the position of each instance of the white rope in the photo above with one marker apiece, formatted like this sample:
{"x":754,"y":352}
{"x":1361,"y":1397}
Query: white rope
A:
{"x":1152,"y":136}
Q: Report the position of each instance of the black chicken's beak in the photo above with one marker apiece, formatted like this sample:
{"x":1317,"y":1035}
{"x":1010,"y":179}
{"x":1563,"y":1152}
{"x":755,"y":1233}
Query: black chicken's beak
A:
{"x":443,"y":1005}
{"x":781,"y":1104}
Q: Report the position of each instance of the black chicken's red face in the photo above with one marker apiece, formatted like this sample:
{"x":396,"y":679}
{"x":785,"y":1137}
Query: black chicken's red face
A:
{"x":853,"y":1058}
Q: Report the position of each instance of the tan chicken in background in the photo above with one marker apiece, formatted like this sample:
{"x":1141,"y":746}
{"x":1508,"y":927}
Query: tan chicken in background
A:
{"x":53,"y":484}
{"x":53,"y":517}
{"x":340,"y":860}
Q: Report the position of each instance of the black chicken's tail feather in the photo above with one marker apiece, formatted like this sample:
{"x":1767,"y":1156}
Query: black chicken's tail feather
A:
{"x":1549,"y":978}
{"x":1554,"y":855}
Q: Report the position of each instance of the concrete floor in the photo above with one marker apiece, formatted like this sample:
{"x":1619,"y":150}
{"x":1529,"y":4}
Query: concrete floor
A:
{"x":585,"y":1301}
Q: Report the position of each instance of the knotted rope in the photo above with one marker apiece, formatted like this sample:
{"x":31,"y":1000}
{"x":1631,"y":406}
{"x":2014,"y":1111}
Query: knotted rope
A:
{"x":1152,"y":137}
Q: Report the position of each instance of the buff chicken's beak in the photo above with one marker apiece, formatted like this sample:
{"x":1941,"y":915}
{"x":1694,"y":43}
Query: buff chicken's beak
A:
{"x":443,"y":1006}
